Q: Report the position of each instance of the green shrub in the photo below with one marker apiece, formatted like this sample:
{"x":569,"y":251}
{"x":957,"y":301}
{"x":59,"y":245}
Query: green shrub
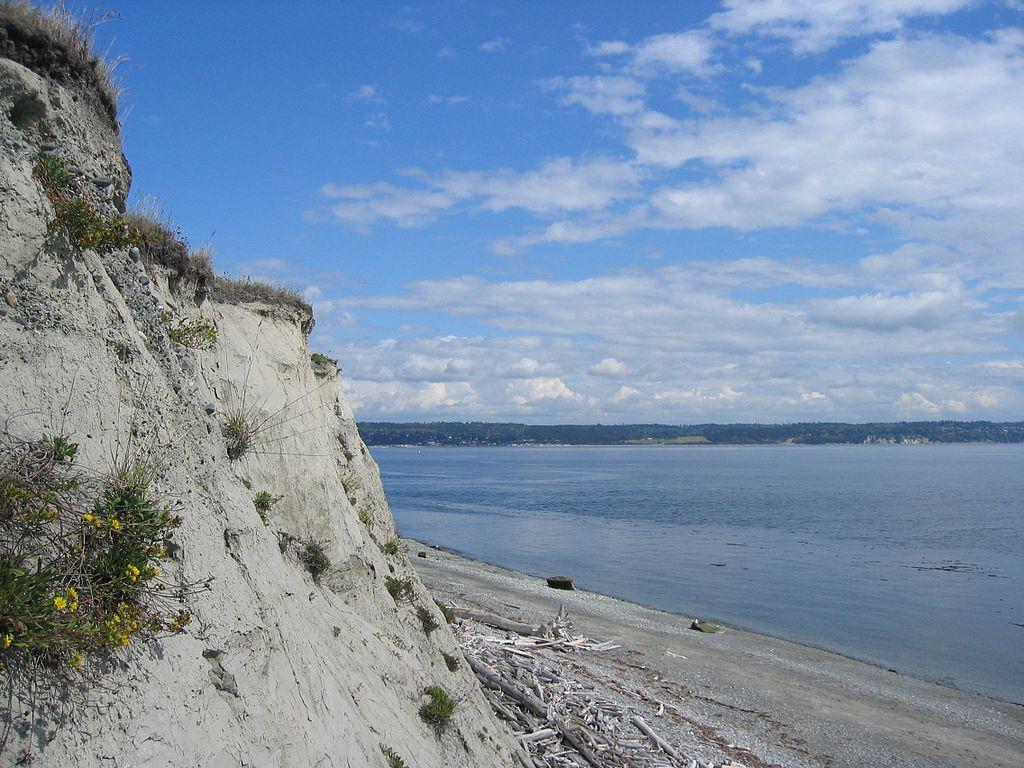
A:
{"x":427,"y":619}
{"x":437,"y":712}
{"x":313,"y":555}
{"x":79,"y":559}
{"x":394,"y":761}
{"x":199,"y":333}
{"x":318,"y":359}
{"x":239,"y":432}
{"x":263,"y":501}
{"x":390,"y":547}
{"x":364,"y":516}
{"x":86,"y":227}
{"x":52,"y":174}
{"x":450,"y":661}
{"x":58,"y":448}
{"x":449,"y":617}
{"x":399,"y":589}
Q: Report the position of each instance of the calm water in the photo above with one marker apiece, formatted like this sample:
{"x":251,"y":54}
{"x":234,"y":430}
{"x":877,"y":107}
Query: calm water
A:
{"x":833,"y":546}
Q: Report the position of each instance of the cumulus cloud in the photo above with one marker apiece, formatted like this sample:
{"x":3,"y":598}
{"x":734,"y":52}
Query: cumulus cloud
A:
{"x":558,"y":186}
{"x":368,"y":93}
{"x":903,"y":155}
{"x":495,"y":45}
{"x":677,"y":53}
{"x":811,"y":26}
{"x":609,"y":366}
{"x":608,"y":48}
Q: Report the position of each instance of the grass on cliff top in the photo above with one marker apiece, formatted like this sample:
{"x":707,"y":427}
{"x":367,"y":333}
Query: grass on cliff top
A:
{"x":160,"y":243}
{"x":243,"y":290}
{"x":57,"y":43}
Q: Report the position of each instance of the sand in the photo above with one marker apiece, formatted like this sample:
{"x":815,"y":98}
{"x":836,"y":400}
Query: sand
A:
{"x":788,"y":704}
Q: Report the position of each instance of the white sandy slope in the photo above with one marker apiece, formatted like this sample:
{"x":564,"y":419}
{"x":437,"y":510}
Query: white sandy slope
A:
{"x":276,"y":670}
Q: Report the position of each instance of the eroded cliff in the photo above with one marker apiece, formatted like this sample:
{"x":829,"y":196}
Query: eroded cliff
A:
{"x":277,"y":668}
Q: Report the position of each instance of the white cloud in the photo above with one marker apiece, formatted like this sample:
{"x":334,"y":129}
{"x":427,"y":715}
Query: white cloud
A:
{"x":600,"y":94}
{"x":886,"y":137}
{"x":496,"y":45}
{"x":683,"y":52}
{"x":535,"y":391}
{"x":378,"y":122}
{"x":926,"y":309}
{"x":608,"y":48}
{"x":450,"y":101}
{"x":815,"y":25}
{"x":609,"y":366}
{"x":447,"y":52}
{"x":558,"y":186}
{"x":368,"y":93}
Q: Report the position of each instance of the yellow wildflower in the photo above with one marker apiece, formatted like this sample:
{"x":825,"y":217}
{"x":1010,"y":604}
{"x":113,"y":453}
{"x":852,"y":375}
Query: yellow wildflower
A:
{"x":7,"y":640}
{"x":76,"y":660}
{"x":132,"y":572}
{"x":115,"y":524}
{"x":88,"y":518}
{"x":72,"y":593}
{"x":60,"y":603}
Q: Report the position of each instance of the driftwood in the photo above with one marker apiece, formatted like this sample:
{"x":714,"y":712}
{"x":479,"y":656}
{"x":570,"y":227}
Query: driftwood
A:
{"x":667,"y":748}
{"x":558,"y":717}
{"x":534,"y":705}
{"x":499,"y":622}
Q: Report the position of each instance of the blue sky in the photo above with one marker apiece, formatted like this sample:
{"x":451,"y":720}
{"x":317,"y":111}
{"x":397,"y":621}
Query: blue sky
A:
{"x":674,"y":212}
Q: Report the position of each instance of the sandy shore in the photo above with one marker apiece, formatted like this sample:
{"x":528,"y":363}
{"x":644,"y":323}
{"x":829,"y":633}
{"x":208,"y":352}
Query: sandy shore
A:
{"x":789,"y":704}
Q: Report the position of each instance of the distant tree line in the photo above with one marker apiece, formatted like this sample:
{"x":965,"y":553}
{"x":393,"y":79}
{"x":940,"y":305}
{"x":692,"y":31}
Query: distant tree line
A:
{"x":815,"y":433}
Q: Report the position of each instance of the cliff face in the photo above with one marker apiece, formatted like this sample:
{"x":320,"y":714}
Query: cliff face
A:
{"x":276,"y":669}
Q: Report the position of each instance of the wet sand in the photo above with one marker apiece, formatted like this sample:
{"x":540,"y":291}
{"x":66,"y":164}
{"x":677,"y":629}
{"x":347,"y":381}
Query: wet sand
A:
{"x":790,"y":704}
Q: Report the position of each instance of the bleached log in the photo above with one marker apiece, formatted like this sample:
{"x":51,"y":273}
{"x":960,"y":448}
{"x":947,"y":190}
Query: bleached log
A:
{"x":667,"y":748}
{"x":534,"y":705}
{"x":499,"y":622}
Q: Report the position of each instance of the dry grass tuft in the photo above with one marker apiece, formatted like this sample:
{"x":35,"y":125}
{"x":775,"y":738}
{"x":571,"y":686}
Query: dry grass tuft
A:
{"x":244,"y":290}
{"x":162,"y":244}
{"x":58,"y":44}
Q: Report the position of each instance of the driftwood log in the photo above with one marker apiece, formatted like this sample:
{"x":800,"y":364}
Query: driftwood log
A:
{"x":534,"y":705}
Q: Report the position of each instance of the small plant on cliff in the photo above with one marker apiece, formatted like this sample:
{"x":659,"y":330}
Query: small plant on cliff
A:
{"x":314,"y":557}
{"x":80,"y":557}
{"x":52,"y":174}
{"x":85,"y":227}
{"x":200,"y":333}
{"x":394,"y":761}
{"x":239,"y":432}
{"x":437,"y":713}
{"x":427,"y":620}
{"x":449,"y":617}
{"x":399,"y":589}
{"x":450,"y":661}
{"x":263,"y":502}
{"x":390,"y":547}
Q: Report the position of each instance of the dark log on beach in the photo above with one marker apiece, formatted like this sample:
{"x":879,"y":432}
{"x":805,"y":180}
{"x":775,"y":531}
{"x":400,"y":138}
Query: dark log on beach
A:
{"x":561,"y":582}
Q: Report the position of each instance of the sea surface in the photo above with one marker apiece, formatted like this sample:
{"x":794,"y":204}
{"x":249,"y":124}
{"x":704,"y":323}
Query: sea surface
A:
{"x":909,"y":557}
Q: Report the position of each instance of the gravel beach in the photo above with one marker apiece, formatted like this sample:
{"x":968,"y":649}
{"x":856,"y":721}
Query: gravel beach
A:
{"x":737,"y":695}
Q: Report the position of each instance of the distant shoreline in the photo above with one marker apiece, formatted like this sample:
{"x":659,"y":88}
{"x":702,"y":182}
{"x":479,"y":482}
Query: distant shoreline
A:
{"x":378,"y":433}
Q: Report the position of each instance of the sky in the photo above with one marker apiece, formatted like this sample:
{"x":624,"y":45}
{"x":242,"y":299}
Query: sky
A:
{"x":675,"y":212}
